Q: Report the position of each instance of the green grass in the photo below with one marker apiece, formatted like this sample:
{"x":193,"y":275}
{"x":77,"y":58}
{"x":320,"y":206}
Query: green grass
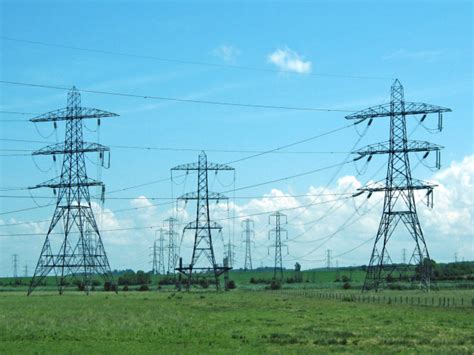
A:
{"x":238,"y":321}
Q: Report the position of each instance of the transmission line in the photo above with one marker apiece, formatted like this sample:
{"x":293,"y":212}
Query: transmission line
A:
{"x":175,"y":99}
{"x":189,"y":62}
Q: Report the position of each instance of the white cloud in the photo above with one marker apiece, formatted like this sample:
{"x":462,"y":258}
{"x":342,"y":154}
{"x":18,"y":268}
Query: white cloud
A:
{"x":227,"y":53}
{"x":322,"y":220}
{"x":288,"y":60}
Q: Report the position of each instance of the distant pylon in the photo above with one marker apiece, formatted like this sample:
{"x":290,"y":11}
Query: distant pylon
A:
{"x":276,"y":233}
{"x":202,"y":225}
{"x":328,"y":259}
{"x":25,"y":270}
{"x":398,"y":186}
{"x":248,"y":234}
{"x":230,"y":254}
{"x":154,"y":260}
{"x":172,"y":236}
{"x":15,"y":266}
{"x":76,"y":257}
{"x":161,"y":252}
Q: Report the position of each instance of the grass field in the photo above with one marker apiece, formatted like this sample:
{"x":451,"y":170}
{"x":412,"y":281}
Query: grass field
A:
{"x":237,"y":321}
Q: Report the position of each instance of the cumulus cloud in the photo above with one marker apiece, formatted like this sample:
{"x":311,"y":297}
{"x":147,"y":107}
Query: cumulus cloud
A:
{"x":227,"y":53}
{"x":288,"y":60}
{"x":320,"y":218}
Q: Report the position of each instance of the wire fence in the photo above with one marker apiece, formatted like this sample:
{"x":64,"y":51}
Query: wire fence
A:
{"x":427,"y":301}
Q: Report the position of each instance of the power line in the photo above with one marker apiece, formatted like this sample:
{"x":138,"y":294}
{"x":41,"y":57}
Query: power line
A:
{"x":173,"y":198}
{"x":189,"y":62}
{"x":216,"y":220}
{"x":177,"y":149}
{"x":174,"y":99}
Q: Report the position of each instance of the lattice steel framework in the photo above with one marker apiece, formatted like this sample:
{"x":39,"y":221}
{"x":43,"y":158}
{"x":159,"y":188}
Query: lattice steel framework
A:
{"x":81,"y":255}
{"x":248,"y":234}
{"x":172,"y":236}
{"x":399,"y":187}
{"x":276,"y":233}
{"x":202,"y":225}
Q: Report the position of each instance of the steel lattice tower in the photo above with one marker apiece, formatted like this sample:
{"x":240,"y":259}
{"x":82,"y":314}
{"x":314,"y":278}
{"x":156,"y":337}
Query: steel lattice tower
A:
{"x":248,"y":234}
{"x":154,"y":260}
{"x":15,"y":267}
{"x":399,"y":186}
{"x":229,"y":253}
{"x":202,"y":225}
{"x":161,"y":252}
{"x":170,"y":231}
{"x":80,"y":256}
{"x":277,"y":232}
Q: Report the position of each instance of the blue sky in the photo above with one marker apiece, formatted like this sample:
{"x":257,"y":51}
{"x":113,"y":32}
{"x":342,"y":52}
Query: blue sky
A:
{"x":427,"y":45}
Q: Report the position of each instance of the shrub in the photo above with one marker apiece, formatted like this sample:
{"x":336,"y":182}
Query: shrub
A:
{"x":231,"y":284}
{"x":346,"y":286}
{"x":109,"y":286}
{"x":143,"y":288}
{"x":344,"y":278}
{"x":125,"y":288}
{"x":275,"y":285}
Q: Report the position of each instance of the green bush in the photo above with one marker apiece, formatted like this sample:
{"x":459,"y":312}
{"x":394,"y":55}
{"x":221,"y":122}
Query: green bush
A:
{"x":143,"y":288}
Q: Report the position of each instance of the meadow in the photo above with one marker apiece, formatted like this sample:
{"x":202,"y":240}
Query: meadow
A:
{"x":226,"y":322}
{"x":317,"y":315}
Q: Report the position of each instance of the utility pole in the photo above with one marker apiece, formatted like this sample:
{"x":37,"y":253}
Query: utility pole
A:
{"x":456,"y":257}
{"x":276,"y":233}
{"x":328,"y":258}
{"x":404,"y":256}
{"x":202,"y":225}
{"x":248,"y":235}
{"x":172,"y":236}
{"x":398,"y":186}
{"x":25,"y":270}
{"x":75,"y":257}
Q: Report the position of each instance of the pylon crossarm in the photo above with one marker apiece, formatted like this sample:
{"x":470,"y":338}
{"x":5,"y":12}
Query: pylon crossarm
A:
{"x":397,"y":185}
{"x":195,"y":166}
{"x":384,"y":148}
{"x":195,"y":196}
{"x":65,"y":114}
{"x":212,"y":225}
{"x":61,"y":148}
{"x":385,"y":110}
{"x":57,"y":184}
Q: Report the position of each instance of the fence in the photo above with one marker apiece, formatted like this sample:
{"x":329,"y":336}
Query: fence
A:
{"x":433,"y":301}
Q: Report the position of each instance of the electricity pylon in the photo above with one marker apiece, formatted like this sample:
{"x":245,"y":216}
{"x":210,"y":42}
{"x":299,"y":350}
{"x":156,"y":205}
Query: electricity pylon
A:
{"x":76,"y":256}
{"x":398,"y":186}
{"x":154,"y":260}
{"x":248,"y":234}
{"x":277,"y":232}
{"x":230,"y":254}
{"x":15,"y":267}
{"x":202,"y":225}
{"x":172,"y":235}
{"x":328,"y":258}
